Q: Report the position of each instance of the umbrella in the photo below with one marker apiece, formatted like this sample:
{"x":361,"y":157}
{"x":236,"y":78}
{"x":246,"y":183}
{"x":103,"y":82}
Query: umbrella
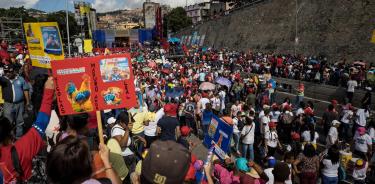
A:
{"x":207,"y":86}
{"x":223,"y":81}
{"x":146,"y":69}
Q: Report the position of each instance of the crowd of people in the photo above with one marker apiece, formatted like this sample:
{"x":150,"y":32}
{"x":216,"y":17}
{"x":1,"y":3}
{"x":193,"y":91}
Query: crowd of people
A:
{"x":273,"y":141}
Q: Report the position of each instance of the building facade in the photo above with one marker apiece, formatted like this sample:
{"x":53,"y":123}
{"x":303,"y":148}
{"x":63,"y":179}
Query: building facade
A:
{"x":203,"y":11}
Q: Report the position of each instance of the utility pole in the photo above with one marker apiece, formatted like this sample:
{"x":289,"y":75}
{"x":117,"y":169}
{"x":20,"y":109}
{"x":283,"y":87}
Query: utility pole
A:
{"x":67,"y":27}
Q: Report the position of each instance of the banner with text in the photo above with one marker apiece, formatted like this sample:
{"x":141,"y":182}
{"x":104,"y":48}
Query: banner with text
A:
{"x":95,"y":83}
{"x":44,"y":43}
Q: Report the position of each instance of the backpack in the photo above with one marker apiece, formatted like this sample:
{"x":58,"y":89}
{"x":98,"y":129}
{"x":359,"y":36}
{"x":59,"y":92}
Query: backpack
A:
{"x":38,"y":172}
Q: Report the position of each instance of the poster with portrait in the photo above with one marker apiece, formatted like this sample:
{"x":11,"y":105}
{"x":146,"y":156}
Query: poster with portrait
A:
{"x":95,"y":83}
{"x":51,"y":40}
{"x":219,"y":133}
{"x":44,"y":43}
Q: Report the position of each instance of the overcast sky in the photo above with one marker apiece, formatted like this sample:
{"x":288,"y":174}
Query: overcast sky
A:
{"x":100,"y":5}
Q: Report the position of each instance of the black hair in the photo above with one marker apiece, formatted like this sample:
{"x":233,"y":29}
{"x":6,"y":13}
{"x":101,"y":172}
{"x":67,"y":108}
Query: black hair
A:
{"x":5,"y":129}
{"x":309,"y":150}
{"x":76,"y":122}
{"x":123,"y":117}
{"x":312,"y":131}
{"x":330,"y":107}
{"x":69,"y":162}
{"x":333,"y":154}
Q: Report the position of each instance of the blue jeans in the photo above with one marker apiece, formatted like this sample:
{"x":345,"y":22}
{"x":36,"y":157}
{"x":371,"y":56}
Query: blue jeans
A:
{"x":248,"y":148}
{"x":205,"y":129}
{"x":14,"y":113}
{"x":330,"y":180}
{"x":299,"y":99}
{"x":236,"y":139}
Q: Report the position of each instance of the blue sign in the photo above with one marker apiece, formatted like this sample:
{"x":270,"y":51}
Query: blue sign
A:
{"x":220,"y":134}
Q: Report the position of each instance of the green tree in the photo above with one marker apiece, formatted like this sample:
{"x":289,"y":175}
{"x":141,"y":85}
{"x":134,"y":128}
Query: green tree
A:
{"x":19,"y":12}
{"x":176,"y":20}
{"x":60,"y":18}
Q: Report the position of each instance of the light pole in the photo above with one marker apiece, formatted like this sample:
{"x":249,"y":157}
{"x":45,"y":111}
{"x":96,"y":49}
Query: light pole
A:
{"x":67,"y":27}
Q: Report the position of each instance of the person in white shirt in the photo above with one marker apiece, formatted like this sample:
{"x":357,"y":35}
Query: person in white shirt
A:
{"x":235,"y":108}
{"x":352,"y":84}
{"x":150,"y":129}
{"x":236,"y":131}
{"x":360,"y":171}
{"x":121,"y":132}
{"x":347,"y":124}
{"x":331,"y":164}
{"x":247,"y":138}
{"x":216,"y":103}
{"x":222,"y":95}
{"x":271,"y":162}
{"x":362,"y":144}
{"x":310,"y":136}
{"x":333,"y":134}
{"x":264,"y":121}
{"x":202,"y":103}
{"x":271,"y":140}
{"x":361,"y":117}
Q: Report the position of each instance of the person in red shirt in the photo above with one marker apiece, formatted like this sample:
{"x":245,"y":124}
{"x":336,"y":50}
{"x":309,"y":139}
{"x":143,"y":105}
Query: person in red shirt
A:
{"x":29,"y":144}
{"x":4,"y":55}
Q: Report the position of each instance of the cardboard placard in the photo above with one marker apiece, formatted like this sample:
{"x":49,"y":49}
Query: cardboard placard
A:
{"x":44,"y":43}
{"x":94,"y":83}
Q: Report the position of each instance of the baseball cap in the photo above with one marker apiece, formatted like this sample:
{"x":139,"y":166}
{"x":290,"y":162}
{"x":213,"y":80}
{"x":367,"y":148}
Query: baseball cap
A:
{"x":295,"y":136}
{"x":272,"y":124}
{"x":167,"y":162}
{"x":170,"y":109}
{"x":361,"y":130}
{"x":335,"y":122}
{"x":281,"y":172}
{"x":185,"y":130}
{"x":111,"y":120}
{"x":308,"y":111}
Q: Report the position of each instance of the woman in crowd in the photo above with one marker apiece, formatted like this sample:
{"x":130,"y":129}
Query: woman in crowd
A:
{"x":307,"y":165}
{"x":330,"y":166}
{"x":247,"y":138}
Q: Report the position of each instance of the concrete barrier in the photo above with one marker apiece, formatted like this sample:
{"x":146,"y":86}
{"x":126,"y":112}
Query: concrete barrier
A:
{"x":325,"y":92}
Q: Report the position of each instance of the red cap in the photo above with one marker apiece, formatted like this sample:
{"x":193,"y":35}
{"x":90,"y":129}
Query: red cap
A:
{"x":287,"y":107}
{"x":170,"y":109}
{"x":334,"y":102}
{"x":361,"y":130}
{"x":272,"y":124}
{"x":308,"y":111}
{"x":185,"y":130}
{"x":295,"y":136}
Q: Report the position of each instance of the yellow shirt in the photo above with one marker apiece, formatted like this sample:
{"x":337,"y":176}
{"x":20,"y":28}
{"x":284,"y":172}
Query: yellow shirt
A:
{"x":1,"y":96}
{"x":140,"y":118}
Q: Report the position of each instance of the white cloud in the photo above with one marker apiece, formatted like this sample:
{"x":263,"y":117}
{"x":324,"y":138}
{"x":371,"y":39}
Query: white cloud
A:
{"x":111,"y":5}
{"x":17,"y":3}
